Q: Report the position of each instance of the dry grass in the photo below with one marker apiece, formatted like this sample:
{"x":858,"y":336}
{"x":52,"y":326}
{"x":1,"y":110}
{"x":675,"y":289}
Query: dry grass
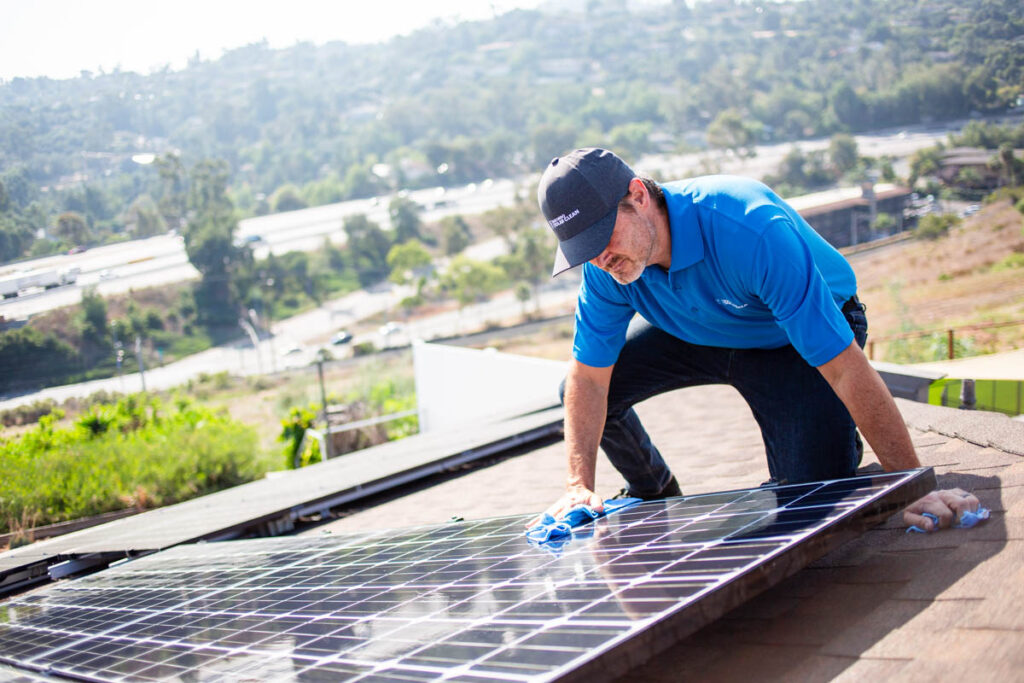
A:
{"x":949,"y":282}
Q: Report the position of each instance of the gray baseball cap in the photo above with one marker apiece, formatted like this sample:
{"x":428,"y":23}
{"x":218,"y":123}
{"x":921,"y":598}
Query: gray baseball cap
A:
{"x":579,"y":196}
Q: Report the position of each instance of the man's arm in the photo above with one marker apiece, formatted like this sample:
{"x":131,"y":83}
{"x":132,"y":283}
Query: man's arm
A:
{"x":865,"y":395}
{"x":586,"y":406}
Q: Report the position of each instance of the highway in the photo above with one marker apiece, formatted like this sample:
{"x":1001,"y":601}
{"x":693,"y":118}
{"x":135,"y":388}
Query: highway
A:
{"x":155,"y":261}
{"x":161,"y":260}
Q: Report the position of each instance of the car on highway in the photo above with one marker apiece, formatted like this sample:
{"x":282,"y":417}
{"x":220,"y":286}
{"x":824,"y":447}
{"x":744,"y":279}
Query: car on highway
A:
{"x":341,"y":337}
{"x":389,"y":328}
{"x":292,"y":350}
{"x":248,"y":240}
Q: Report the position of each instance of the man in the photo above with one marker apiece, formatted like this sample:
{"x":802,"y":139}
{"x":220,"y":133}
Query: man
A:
{"x":733,"y":287}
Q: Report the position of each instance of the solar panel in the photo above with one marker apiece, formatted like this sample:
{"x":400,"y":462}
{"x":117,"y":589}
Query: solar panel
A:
{"x":470,"y":601}
{"x":276,"y":501}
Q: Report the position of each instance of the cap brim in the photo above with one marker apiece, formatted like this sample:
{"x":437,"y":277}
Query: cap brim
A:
{"x":586,"y":245}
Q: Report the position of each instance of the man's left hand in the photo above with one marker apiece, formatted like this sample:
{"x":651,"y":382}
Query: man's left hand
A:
{"x":946,"y":504}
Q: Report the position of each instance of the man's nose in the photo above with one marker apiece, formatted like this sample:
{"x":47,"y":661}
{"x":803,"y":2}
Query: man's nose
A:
{"x":601,"y":260}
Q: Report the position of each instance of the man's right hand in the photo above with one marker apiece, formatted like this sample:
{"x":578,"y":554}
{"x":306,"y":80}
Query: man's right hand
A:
{"x":573,"y":496}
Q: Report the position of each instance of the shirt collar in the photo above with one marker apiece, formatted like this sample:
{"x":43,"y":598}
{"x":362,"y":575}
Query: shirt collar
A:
{"x":684,"y":228}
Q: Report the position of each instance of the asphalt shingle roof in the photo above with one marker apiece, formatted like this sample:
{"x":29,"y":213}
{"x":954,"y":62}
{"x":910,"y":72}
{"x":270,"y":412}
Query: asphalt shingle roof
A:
{"x":887,"y":605}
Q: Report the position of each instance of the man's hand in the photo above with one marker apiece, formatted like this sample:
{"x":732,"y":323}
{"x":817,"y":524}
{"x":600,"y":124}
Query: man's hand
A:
{"x":946,"y":504}
{"x":573,"y":496}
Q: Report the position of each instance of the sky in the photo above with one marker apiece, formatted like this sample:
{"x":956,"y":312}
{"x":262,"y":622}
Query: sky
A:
{"x":61,"y":38}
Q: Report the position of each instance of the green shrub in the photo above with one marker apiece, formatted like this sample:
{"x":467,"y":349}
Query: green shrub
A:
{"x":132,"y":453}
{"x":935,"y":225}
{"x":1011,"y":261}
{"x":27,"y":414}
{"x":293,"y":430}
{"x":391,"y":396}
{"x":364,"y":348}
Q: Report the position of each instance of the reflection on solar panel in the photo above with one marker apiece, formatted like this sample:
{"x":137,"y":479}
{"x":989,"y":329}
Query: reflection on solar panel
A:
{"x":278,"y":501}
{"x":469,"y":601}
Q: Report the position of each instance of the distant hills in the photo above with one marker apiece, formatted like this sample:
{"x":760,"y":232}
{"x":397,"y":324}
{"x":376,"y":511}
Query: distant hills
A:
{"x":455,"y":104}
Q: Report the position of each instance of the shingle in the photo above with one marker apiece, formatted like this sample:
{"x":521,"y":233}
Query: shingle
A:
{"x":888,"y":605}
{"x":870,"y":669}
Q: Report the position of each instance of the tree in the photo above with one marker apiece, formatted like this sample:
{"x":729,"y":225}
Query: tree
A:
{"x":455,"y":234}
{"x":209,"y":240}
{"x":368,"y":246}
{"x":925,"y":162}
{"x":94,"y":316}
{"x":28,"y":357}
{"x":143,"y":218}
{"x":15,"y":239}
{"x":530,"y":258}
{"x":848,"y":107}
{"x":72,"y":228}
{"x":471,"y":280}
{"x":842,"y":153}
{"x":173,"y":199}
{"x":1010,"y":168}
{"x":884,"y":223}
{"x":523,"y":293}
{"x":729,"y":131}
{"x":405,"y":219}
{"x":405,"y":259}
{"x":550,"y":141}
{"x":287,"y":198}
{"x":96,"y":341}
{"x":507,"y":221}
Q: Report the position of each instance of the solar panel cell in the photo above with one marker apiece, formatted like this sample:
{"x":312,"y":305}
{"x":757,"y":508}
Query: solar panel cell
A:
{"x":466,"y":602}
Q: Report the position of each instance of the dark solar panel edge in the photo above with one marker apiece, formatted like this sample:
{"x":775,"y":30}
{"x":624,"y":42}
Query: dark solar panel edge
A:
{"x":632,"y":652}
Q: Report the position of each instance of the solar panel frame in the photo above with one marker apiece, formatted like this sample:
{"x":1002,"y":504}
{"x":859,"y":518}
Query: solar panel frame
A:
{"x":470,"y":601}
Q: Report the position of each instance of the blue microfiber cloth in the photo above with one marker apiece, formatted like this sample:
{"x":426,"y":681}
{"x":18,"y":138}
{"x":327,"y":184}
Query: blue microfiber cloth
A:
{"x":551,"y":529}
{"x":967,"y":520}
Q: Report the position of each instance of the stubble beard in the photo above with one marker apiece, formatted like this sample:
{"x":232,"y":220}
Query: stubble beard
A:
{"x":626,"y":269}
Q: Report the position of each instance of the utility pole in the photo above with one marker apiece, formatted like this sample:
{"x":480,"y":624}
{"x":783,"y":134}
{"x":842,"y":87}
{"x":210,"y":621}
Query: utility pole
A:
{"x":138,"y":355}
{"x":321,"y":356}
{"x":253,"y":338}
{"x":118,"y":354}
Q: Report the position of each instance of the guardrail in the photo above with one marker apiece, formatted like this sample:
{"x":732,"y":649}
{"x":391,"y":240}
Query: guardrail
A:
{"x":949,"y":332}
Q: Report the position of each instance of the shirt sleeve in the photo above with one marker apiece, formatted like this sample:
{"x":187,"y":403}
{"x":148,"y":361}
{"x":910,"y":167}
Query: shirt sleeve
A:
{"x":602,"y":318}
{"x":786,"y":279}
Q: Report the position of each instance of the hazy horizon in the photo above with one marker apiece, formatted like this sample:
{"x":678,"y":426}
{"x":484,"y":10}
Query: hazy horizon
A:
{"x":61,"y":38}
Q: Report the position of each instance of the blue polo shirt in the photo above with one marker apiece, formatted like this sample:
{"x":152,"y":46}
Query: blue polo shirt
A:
{"x":747,"y":272}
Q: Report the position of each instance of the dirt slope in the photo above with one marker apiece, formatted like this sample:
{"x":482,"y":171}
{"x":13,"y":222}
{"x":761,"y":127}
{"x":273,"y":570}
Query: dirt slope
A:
{"x":963,"y":278}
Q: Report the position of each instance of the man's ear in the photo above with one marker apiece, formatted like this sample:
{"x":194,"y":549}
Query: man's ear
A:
{"x":638,"y":193}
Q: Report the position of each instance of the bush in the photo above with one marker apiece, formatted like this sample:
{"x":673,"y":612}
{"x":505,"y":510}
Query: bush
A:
{"x":27,"y":414}
{"x":293,"y":431}
{"x":935,"y":225}
{"x":134,"y":453}
{"x":364,"y":348}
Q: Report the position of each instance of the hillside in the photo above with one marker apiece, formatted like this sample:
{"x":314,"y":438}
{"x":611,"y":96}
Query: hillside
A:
{"x":974,"y":274}
{"x":112,"y":153}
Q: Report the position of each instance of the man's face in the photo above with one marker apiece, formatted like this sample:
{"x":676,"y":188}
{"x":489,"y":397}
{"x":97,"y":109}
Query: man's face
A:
{"x":630,"y":248}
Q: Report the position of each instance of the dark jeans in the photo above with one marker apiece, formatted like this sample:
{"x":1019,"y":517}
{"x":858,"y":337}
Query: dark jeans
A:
{"x":808,"y":433}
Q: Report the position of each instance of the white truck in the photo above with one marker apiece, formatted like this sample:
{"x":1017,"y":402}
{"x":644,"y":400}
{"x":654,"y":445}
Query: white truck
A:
{"x":13,"y":284}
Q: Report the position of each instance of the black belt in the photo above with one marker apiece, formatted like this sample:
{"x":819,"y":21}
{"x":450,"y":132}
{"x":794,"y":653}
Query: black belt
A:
{"x":853,"y":304}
